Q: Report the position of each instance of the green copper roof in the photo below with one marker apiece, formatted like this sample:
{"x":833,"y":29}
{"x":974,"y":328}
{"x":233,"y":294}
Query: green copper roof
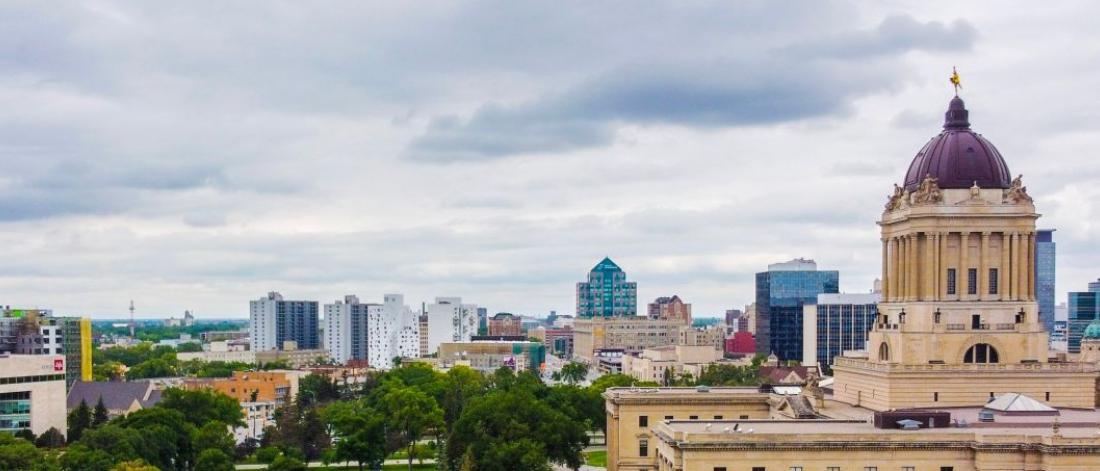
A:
{"x":606,"y":265}
{"x":1092,"y":331}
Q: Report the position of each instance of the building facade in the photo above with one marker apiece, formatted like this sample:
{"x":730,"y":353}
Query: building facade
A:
{"x":663,"y":364}
{"x":39,"y":332}
{"x":248,"y":386}
{"x":346,"y":329}
{"x":781,"y":293}
{"x":836,"y":323}
{"x":450,"y":321}
{"x":488,"y":356}
{"x":632,"y":334}
{"x":606,"y":293}
{"x":1045,"y":255}
{"x":32,"y":393}
{"x":504,"y":323}
{"x":666,"y":307}
{"x":393,"y":332}
{"x":273,"y":321}
{"x":959,"y":301}
{"x":1084,"y":308}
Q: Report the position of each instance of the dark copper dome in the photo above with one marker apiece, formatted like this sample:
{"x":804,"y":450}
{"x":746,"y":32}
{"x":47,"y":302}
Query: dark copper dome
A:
{"x":958,"y":157}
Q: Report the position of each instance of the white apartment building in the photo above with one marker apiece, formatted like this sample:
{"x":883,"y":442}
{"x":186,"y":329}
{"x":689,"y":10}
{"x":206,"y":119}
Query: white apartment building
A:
{"x":273,"y":321}
{"x":392,"y":331}
{"x":346,"y":328}
{"x":450,"y":321}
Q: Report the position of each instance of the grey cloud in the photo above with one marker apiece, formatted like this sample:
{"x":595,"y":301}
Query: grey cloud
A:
{"x":744,"y":89}
{"x":895,"y":35}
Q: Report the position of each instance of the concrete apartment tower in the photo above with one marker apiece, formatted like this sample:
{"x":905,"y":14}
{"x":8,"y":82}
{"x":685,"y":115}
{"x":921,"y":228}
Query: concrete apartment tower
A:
{"x":959,"y":321}
{"x":272,"y":321}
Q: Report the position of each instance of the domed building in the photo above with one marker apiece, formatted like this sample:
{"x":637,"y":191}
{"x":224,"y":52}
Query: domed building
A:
{"x":959,"y":298}
{"x":1090,"y":344}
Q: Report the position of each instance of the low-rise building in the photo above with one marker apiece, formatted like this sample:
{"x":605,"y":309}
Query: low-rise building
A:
{"x":558,"y":341}
{"x":119,"y":397}
{"x":491,"y":355}
{"x":248,"y":386}
{"x":741,"y":343}
{"x":257,"y":416}
{"x":293,"y":357}
{"x":632,"y":334}
{"x":32,"y":393}
{"x":221,"y":351}
{"x":660,"y":364}
{"x":712,"y":336}
{"x":504,"y":323}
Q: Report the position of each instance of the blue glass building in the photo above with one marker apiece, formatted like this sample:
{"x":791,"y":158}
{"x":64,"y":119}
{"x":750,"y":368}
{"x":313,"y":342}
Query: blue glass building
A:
{"x":781,"y":293}
{"x":607,"y":293}
{"x":837,"y":322}
{"x":1084,"y":307}
{"x":1044,"y":276}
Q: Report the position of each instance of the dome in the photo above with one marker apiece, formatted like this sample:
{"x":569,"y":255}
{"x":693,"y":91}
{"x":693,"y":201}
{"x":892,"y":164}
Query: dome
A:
{"x":1092,"y":331}
{"x":958,"y":157}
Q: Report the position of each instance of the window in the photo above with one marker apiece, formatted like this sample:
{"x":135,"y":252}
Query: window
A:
{"x":947,"y":468}
{"x":796,"y":468}
{"x":759,"y":468}
{"x":870,"y":468}
{"x":1048,"y":396}
{"x":971,"y":281}
{"x":884,"y":352}
{"x":693,"y":417}
{"x":833,"y":468}
{"x":981,"y":353}
{"x":950,"y":281}
{"x":992,"y":281}
{"x":719,"y":468}
{"x":643,"y":447}
{"x":643,"y":421}
{"x":717,"y":417}
{"x":935,"y":397}
{"x":744,"y":417}
{"x":668,"y":417}
{"x":908,"y":468}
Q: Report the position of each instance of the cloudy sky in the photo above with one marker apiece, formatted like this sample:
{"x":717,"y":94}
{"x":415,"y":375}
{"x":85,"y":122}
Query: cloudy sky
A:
{"x":195,"y":156}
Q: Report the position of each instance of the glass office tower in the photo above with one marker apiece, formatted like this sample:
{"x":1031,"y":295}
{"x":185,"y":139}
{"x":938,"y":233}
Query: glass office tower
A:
{"x":1044,"y":276}
{"x":1084,"y":307}
{"x":781,"y":293}
{"x":607,"y":293}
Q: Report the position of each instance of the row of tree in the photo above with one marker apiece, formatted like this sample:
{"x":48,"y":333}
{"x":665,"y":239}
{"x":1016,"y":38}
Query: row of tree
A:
{"x":146,"y":360}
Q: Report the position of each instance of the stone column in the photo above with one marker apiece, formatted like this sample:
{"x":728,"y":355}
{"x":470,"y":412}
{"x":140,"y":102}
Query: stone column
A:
{"x":1016,"y":268}
{"x":928,"y":270}
{"x":934,"y":268}
{"x":914,"y":276}
{"x":1030,"y":267}
{"x":961,"y":278}
{"x":1002,"y":272}
{"x":892,"y":276}
{"x":983,"y":268}
{"x":944,"y":265}
{"x":885,"y":263}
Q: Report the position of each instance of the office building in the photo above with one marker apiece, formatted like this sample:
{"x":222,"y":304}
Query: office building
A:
{"x":482,"y":321}
{"x":488,"y":356}
{"x":504,"y":323}
{"x":346,"y":329}
{"x":450,"y":321}
{"x":606,"y":293}
{"x":712,"y":336}
{"x":1084,"y":308}
{"x":631,"y":334}
{"x":39,"y":332}
{"x":1044,"y":276}
{"x":836,"y":323}
{"x":32,"y":393}
{"x":273,"y":321}
{"x":781,"y":293}
{"x":394,"y":332}
{"x":669,"y":307}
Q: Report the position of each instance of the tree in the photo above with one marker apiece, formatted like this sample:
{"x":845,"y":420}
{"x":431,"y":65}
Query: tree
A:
{"x":574,"y":372}
{"x":135,"y":465}
{"x":155,"y":368}
{"x":300,"y":430}
{"x":81,"y":458}
{"x":317,"y":388}
{"x":79,"y":420}
{"x":267,"y":454}
{"x":213,"y":435}
{"x":17,"y":453}
{"x":51,"y":438}
{"x":189,"y":347}
{"x":246,"y":448}
{"x":99,"y":414}
{"x":460,"y":384}
{"x":213,"y":459}
{"x":361,"y":433}
{"x":286,"y":463}
{"x":411,"y":413}
{"x":166,"y":435}
{"x":26,"y":434}
{"x":204,"y":405}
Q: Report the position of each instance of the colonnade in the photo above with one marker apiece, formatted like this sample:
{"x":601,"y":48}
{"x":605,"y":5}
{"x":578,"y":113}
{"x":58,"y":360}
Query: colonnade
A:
{"x":916,"y":266}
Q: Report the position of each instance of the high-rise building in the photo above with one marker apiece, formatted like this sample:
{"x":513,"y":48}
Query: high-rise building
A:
{"x":1044,"y":276}
{"x":666,"y":307}
{"x":959,"y":297}
{"x":1084,"y":308}
{"x":482,"y":321}
{"x":733,"y":318}
{"x":273,"y":321}
{"x":835,"y":323}
{"x":450,"y":321}
{"x":781,"y":293}
{"x":346,"y":329}
{"x":393,"y":332}
{"x":606,"y":293}
{"x":38,"y":332}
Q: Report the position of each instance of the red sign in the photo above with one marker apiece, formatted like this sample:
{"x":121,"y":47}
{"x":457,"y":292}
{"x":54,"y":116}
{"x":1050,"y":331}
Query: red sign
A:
{"x":58,"y":364}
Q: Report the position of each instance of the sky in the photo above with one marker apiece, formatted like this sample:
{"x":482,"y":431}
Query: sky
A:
{"x":196,"y":155}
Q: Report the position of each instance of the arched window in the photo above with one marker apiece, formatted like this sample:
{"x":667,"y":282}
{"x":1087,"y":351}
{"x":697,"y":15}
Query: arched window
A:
{"x":884,"y":352}
{"x":981,"y":353}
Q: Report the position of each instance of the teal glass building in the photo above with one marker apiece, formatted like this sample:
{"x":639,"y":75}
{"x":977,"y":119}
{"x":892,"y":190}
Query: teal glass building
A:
{"x":606,"y":293}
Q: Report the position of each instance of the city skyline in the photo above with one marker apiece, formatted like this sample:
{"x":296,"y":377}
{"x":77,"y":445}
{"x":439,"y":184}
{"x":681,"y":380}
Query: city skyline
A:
{"x":149,"y":160}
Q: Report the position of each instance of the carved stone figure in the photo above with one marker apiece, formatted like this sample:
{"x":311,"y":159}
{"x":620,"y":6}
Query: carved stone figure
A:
{"x":928,"y":192}
{"x":975,"y":191}
{"x":894,"y":202}
{"x":1017,"y":192}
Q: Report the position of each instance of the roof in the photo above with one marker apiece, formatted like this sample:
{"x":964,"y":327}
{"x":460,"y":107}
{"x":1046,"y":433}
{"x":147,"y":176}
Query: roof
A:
{"x":117,"y":395}
{"x":1016,"y":402}
{"x":606,"y":265}
{"x":779,"y":374}
{"x":1092,"y":331}
{"x":849,"y":298}
{"x":958,"y":157}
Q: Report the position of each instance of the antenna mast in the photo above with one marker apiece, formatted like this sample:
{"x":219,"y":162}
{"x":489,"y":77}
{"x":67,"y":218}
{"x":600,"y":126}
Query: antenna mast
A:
{"x":131,"y":319}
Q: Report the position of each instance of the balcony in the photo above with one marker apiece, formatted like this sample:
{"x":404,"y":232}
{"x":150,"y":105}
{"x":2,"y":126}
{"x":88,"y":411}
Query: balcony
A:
{"x":863,"y":364}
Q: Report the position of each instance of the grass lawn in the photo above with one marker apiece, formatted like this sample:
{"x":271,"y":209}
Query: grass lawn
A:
{"x":388,"y":467}
{"x":596,"y":458}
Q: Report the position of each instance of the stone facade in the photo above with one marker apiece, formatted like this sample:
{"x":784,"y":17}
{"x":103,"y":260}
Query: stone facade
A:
{"x":632,"y":334}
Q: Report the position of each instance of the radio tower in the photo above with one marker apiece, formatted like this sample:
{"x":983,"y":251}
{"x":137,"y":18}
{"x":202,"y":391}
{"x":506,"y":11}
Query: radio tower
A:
{"x":131,"y":319}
